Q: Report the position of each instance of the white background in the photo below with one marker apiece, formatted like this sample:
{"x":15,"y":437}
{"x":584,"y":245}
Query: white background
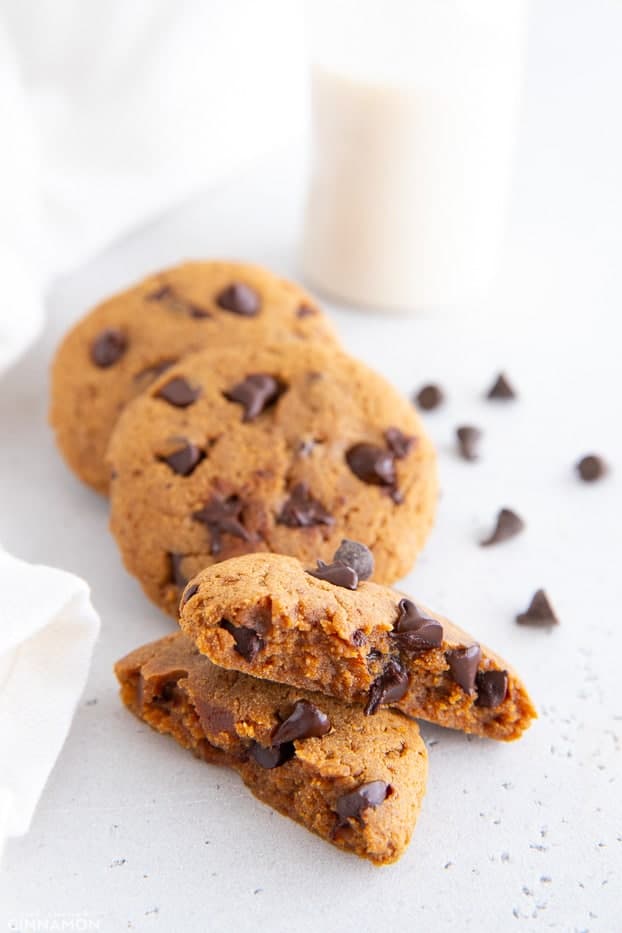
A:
{"x":132,"y":833}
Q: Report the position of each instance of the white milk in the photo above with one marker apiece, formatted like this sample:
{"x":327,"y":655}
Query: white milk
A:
{"x":412,"y":149}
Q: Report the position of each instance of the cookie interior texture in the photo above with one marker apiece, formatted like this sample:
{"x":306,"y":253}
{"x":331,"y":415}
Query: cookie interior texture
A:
{"x":267,"y":448}
{"x":354,"y":781}
{"x":266,"y":615}
{"x":120,"y":347}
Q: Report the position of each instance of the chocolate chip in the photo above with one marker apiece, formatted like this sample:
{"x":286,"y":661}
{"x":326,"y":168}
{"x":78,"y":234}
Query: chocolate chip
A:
{"x":222,"y":517}
{"x":397,"y":496}
{"x":414,"y":631}
{"x":356,"y":555}
{"x":399,"y":444}
{"x":352,"y":805}
{"x":591,"y":468}
{"x":272,"y":757}
{"x":167,"y":295}
{"x":372,"y":464}
{"x":468,"y":441}
{"x":463,"y":664}
{"x":247,"y":642}
{"x":501,"y":388}
{"x":358,"y":638}
{"x":304,"y":722}
{"x":305,"y":310}
{"x":177,"y":576}
{"x":492,"y":687}
{"x":509,"y":524}
{"x":149,"y":373}
{"x":178,"y":392}
{"x":540,"y":612}
{"x":240,"y":299}
{"x":389,"y":687}
{"x":192,"y":590}
{"x":337,"y":574}
{"x":429,"y":397}
{"x":184,"y":460}
{"x":255,"y":394}
{"x":301,"y":510}
{"x":108,"y":348}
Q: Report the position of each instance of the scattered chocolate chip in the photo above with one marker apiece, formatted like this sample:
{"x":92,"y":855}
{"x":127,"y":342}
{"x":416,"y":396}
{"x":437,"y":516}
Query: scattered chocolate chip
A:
{"x":414,"y":631}
{"x":430,"y":397}
{"x":222,"y":517}
{"x":301,"y":510}
{"x":352,"y":805}
{"x":337,"y":574}
{"x":168,"y":295}
{"x":399,"y":444}
{"x":356,"y":555}
{"x":177,"y":576}
{"x":509,"y":524}
{"x":501,"y":388}
{"x":540,"y":612}
{"x":247,"y":642}
{"x":372,"y":464}
{"x":492,"y":687}
{"x":255,"y":394}
{"x":108,"y":348}
{"x":358,"y":638}
{"x":178,"y":392}
{"x":239,"y":298}
{"x":463,"y":664}
{"x":468,"y":441}
{"x":184,"y":460}
{"x":389,"y":687}
{"x":272,"y":757}
{"x":304,"y":722}
{"x":189,"y":593}
{"x":591,"y":468}
{"x":305,"y":310}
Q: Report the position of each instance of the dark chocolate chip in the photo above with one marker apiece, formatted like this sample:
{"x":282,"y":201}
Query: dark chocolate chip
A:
{"x":167,"y":295}
{"x":149,"y":373}
{"x":501,"y":388}
{"x":178,"y":392}
{"x":183,"y":460}
{"x":239,"y":298}
{"x":492,"y":687}
{"x":255,"y":394}
{"x":108,"y":347}
{"x":305,"y":310}
{"x":468,"y":441}
{"x":192,"y":590}
{"x":591,"y":468}
{"x":356,"y":555}
{"x":509,"y":524}
{"x":272,"y":757}
{"x":352,"y":805}
{"x":301,"y":510}
{"x":358,"y":638}
{"x":177,"y":576}
{"x":414,"y":631}
{"x":540,"y":612}
{"x":304,"y":722}
{"x":399,"y":444}
{"x":397,"y":496}
{"x":372,"y":464}
{"x":463,"y":664}
{"x":388,"y":687}
{"x":168,"y":693}
{"x":337,"y":574}
{"x":222,"y":516}
{"x":429,"y":397}
{"x":247,"y":642}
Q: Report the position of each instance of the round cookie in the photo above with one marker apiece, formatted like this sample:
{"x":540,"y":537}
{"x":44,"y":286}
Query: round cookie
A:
{"x":121,"y":346}
{"x":279,"y":448}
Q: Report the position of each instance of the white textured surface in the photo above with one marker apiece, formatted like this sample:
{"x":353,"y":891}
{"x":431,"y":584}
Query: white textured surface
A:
{"x":132,"y":833}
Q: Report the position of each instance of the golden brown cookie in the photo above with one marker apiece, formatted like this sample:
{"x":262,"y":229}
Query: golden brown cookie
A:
{"x":356,"y":782}
{"x":268,"y":616}
{"x":121,"y":346}
{"x":284,"y":449}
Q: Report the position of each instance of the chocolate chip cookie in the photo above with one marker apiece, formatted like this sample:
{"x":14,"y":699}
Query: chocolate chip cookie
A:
{"x":356,"y":782}
{"x":321,"y":629}
{"x":121,"y":346}
{"x":277,"y":448}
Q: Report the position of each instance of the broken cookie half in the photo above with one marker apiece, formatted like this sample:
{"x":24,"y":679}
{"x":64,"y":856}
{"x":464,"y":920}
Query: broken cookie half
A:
{"x":323,"y":630}
{"x":354,"y":780}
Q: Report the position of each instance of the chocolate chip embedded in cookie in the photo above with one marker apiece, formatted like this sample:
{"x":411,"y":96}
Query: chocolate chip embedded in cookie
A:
{"x":370,"y":645}
{"x":208,"y":465}
{"x":123,"y":345}
{"x":356,"y":781}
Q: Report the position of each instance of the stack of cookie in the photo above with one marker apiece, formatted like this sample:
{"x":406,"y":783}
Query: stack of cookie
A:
{"x":215,"y":405}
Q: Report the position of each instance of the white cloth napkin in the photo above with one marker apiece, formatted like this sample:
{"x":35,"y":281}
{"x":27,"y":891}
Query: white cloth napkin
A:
{"x":48,"y":628}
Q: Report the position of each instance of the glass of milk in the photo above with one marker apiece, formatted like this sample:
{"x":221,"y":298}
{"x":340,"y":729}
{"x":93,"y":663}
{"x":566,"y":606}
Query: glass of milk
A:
{"x":414,"y":116}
